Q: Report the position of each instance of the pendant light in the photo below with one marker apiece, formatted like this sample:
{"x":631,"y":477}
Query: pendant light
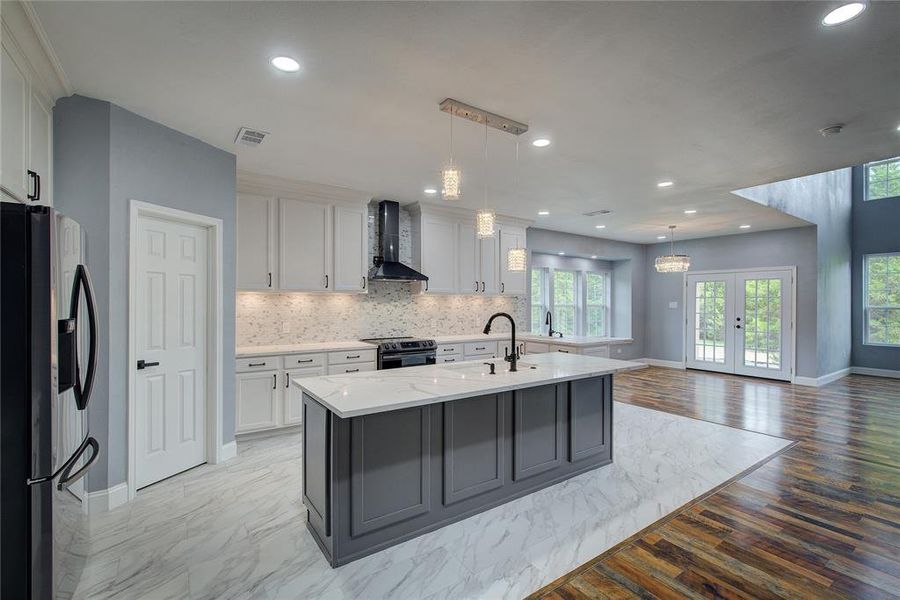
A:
{"x":672,"y":263}
{"x":484,"y":217}
{"x":450,"y":175}
{"x":516,"y":258}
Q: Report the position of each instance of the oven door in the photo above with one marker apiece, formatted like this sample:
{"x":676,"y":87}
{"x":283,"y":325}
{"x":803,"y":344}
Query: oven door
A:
{"x":406,"y":359}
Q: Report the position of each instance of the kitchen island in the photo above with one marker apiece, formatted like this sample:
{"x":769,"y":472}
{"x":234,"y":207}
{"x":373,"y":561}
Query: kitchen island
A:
{"x":390,"y":455}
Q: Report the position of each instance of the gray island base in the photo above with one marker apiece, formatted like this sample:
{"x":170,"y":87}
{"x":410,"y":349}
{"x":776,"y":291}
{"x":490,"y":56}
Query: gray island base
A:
{"x":375,"y":476}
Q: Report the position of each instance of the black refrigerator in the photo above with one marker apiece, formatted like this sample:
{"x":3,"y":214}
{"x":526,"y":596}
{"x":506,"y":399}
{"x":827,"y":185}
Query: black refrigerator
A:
{"x":48,"y":359}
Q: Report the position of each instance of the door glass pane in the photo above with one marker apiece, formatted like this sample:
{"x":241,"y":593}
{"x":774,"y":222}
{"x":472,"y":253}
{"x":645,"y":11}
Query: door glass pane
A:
{"x":564,"y":301}
{"x":709,"y":321}
{"x":762,"y":323}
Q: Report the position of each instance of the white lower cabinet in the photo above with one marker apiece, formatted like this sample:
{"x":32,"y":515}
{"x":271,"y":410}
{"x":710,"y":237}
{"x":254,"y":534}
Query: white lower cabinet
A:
{"x":293,"y":396}
{"x":257,"y":396}
{"x":536,"y":347}
{"x":351,"y":368}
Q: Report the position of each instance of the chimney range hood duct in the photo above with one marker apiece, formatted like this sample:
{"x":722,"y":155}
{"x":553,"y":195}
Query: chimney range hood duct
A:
{"x":387,"y":264}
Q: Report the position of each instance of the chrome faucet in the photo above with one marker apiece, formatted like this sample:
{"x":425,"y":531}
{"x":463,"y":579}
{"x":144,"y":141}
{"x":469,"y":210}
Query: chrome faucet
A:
{"x":549,"y":321}
{"x":510,"y":357}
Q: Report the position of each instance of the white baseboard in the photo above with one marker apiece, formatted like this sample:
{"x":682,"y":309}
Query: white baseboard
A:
{"x":656,"y":362}
{"x":875,"y":372}
{"x":228,"y":451}
{"x":105,"y":500}
{"x":823,"y":380}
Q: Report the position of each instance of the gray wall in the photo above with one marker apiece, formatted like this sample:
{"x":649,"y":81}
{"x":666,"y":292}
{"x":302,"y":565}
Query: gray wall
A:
{"x":876,"y":229}
{"x":628,"y":265}
{"x":824,"y":199}
{"x":787,"y":247}
{"x":105,"y":156}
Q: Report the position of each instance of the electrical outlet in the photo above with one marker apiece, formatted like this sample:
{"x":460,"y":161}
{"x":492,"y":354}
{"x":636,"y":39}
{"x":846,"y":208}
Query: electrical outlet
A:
{"x":673,"y":304}
{"x":285,"y":327}
{"x":618,"y":351}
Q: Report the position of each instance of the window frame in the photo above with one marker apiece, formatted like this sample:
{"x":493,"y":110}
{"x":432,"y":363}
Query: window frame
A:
{"x":548,"y":278}
{"x":865,"y":300}
{"x":865,"y":182}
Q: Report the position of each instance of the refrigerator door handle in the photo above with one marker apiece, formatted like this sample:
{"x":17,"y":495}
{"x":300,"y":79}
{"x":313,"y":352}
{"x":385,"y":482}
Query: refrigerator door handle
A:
{"x":67,"y":478}
{"x":70,"y":462}
{"x":83,"y":280}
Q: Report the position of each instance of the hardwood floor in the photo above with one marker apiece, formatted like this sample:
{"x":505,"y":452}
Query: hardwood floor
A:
{"x":821,"y":520}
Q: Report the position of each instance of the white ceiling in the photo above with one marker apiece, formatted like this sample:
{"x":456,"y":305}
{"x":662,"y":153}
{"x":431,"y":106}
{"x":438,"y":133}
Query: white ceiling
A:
{"x":715,"y":96}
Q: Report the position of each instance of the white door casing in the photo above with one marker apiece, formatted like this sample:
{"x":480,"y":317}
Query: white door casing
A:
{"x":171,"y":329}
{"x":741,"y":322}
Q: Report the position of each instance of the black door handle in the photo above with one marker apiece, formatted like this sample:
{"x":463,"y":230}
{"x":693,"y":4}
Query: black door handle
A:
{"x":143,"y":364}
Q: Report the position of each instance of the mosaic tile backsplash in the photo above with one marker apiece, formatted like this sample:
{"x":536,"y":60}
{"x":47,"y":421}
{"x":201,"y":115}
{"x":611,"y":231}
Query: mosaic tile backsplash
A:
{"x":389,"y":309}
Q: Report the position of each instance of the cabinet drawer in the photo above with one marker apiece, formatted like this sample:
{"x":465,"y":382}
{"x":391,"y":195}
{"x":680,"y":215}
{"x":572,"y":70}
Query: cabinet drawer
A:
{"x":352,"y":356}
{"x":302,"y":361}
{"x":563,"y":349}
{"x":480,"y":348}
{"x":350,"y":368}
{"x":447,"y":349}
{"x":536,"y":347}
{"x":450,"y":359}
{"x":258,"y":363}
{"x":601,"y":351}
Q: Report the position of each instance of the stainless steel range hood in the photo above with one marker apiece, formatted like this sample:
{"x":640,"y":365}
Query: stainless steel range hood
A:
{"x":387,"y":264}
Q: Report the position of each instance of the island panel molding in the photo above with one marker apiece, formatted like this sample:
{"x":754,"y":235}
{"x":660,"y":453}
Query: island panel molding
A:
{"x":473,"y":447}
{"x":539,"y":433}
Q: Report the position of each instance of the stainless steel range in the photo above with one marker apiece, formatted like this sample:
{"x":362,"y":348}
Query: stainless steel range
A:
{"x":396,"y":352}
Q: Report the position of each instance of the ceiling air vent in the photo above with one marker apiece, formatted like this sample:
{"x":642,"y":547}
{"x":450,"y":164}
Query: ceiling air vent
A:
{"x":250,"y":137}
{"x":596,"y":213}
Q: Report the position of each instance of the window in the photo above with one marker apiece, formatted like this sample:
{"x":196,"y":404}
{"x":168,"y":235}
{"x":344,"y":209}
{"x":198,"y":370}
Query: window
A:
{"x":883,"y":179}
{"x":579,"y":301}
{"x":882,"y":299}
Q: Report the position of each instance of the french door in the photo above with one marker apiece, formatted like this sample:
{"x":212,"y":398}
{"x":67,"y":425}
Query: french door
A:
{"x":740,"y":322}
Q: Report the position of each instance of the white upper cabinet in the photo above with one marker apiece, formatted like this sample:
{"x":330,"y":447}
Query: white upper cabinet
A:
{"x":511,"y":282}
{"x":14,"y":108}
{"x":439,"y":255}
{"x":351,"y":253}
{"x":456,"y":261}
{"x":40,"y":149}
{"x":304,"y":245}
{"x":256,"y":269}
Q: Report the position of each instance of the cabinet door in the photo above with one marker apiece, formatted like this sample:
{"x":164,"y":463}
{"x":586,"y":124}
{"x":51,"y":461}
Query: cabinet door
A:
{"x":536,"y":347}
{"x":563,"y":349}
{"x":293,"y":396}
{"x":468,"y":278}
{"x":255,"y":243}
{"x":13,"y":122}
{"x":351,"y":240}
{"x":489,"y":265}
{"x":439,"y":254}
{"x":304,"y":245}
{"x":511,"y":282}
{"x":40,"y":136}
{"x":256,"y":401}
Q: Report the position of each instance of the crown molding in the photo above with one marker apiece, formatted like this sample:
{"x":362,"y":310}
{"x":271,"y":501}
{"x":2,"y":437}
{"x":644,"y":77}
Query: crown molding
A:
{"x":23,"y":30}
{"x":249,"y":182}
{"x":467,"y":214}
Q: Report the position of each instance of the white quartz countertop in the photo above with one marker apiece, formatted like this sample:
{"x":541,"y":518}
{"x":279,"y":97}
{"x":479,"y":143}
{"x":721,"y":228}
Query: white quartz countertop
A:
{"x":337,"y":346}
{"x":473,"y":337}
{"x":355,"y":394}
{"x":573,"y":340}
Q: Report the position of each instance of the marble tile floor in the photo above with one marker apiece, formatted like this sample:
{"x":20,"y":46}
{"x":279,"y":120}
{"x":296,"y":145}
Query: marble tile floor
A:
{"x":237,"y":530}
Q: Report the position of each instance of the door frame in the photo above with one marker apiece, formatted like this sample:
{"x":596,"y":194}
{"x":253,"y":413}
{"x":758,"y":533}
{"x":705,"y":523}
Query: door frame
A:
{"x":214,"y":326}
{"x":793,"y":334}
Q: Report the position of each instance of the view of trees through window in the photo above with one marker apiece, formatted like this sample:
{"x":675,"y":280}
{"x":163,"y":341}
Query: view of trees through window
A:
{"x":883,"y":179}
{"x":579,"y":301}
{"x":882,"y":299}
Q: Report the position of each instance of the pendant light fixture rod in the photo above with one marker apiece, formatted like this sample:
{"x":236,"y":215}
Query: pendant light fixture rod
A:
{"x":479,"y":115}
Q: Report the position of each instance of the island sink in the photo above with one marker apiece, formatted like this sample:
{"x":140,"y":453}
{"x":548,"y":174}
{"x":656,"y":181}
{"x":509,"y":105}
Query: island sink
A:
{"x":390,"y":455}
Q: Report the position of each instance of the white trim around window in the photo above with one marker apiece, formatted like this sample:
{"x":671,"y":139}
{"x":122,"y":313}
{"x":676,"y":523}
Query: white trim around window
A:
{"x":546,"y":279}
{"x":889,"y":290}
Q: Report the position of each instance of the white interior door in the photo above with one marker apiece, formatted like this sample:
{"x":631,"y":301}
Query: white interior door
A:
{"x":710,"y":315}
{"x":171,"y":332}
{"x":763,"y":340}
{"x":740,"y":322}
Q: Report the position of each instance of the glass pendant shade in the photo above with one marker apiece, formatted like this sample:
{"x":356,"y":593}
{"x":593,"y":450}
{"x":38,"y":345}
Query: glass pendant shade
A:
{"x":672,"y":263}
{"x":484,"y":223}
{"x":450,"y":177}
{"x":516,"y":259}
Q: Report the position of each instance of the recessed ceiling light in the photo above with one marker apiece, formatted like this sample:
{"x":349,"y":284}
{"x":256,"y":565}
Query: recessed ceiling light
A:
{"x":843,"y":13}
{"x":561,"y":253}
{"x":430,"y":191}
{"x":898,"y":127}
{"x":543,"y":213}
{"x":540,"y":143}
{"x":744,"y":226}
{"x":660,"y":237}
{"x":665,"y":184}
{"x":600,"y":226}
{"x":286,"y":64}
{"x":593,"y":256}
{"x":691,"y":211}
